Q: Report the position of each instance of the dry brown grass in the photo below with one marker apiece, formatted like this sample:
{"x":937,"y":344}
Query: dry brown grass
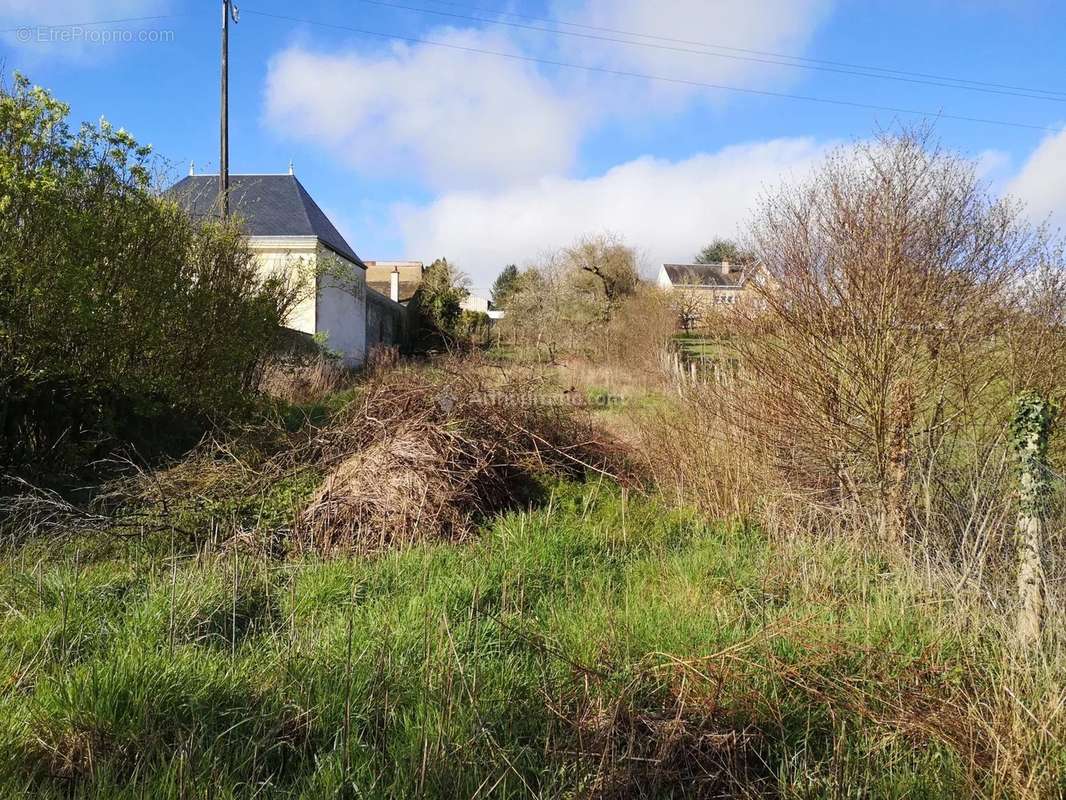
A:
{"x":681,"y":743}
{"x":707,"y":727}
{"x":700,"y":460}
{"x":424,"y":457}
{"x":306,"y":381}
{"x":419,"y":453}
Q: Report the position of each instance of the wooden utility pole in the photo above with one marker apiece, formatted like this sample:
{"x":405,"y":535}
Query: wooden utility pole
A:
{"x":223,"y":159}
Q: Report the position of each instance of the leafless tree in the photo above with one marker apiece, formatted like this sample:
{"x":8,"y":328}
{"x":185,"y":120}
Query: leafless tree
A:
{"x":603,"y":271}
{"x":567,"y":300}
{"x":898,"y":311}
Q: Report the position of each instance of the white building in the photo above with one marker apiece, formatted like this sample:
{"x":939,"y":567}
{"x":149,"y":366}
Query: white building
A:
{"x":476,"y":303}
{"x":714,"y":283}
{"x":288,"y":231}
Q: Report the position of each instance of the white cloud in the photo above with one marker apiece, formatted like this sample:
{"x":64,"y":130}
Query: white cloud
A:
{"x":667,"y":210}
{"x":1041,"y":181}
{"x":458,"y":119}
{"x":783,"y":26}
{"x":451,"y":117}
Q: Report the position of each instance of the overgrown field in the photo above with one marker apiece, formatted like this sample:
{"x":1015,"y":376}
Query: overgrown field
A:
{"x":601,"y":646}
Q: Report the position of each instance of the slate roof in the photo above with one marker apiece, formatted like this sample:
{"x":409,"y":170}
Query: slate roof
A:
{"x":707,"y":276}
{"x":271,"y":205}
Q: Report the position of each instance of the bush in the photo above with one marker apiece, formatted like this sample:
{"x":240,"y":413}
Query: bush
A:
{"x":473,"y":327}
{"x":869,"y":388}
{"x":436,"y":304}
{"x":566,"y":304}
{"x":114,"y":306}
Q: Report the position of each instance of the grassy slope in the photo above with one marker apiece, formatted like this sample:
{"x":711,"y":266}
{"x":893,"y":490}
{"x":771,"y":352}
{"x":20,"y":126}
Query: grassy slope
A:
{"x":530,"y":663}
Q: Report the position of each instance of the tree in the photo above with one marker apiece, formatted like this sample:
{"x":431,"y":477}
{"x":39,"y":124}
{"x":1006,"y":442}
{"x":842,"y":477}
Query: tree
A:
{"x":689,"y":308}
{"x":437,"y":301}
{"x":534,"y":310}
{"x":879,"y":364}
{"x":504,"y":285}
{"x":723,"y":250}
{"x":567,"y":301}
{"x":114,"y":305}
{"x":602,"y":272}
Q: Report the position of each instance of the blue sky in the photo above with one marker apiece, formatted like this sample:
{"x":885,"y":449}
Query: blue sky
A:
{"x":420,"y":151}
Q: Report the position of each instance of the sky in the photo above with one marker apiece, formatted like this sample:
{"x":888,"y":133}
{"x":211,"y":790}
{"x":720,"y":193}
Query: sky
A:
{"x":492,"y":131}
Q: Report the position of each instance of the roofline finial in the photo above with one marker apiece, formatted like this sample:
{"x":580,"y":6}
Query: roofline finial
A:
{"x":192,"y":167}
{"x":292,"y":170}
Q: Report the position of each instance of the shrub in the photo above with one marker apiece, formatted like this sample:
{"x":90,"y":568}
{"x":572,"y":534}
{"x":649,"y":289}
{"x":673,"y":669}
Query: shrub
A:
{"x":114,"y":306}
{"x":473,"y":327}
{"x":436,"y":304}
{"x":900,"y":309}
{"x":567,"y":302}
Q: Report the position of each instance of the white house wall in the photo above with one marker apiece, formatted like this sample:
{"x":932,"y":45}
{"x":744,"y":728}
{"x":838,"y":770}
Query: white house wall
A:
{"x":333,"y":301}
{"x":286,"y":255}
{"x":663,"y":279}
{"x":341,"y":309}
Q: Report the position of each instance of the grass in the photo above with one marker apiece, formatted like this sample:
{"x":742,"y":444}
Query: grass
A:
{"x":601,"y":646}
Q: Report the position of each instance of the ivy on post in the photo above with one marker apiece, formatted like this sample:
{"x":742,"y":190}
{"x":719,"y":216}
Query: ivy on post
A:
{"x":1034,"y":416}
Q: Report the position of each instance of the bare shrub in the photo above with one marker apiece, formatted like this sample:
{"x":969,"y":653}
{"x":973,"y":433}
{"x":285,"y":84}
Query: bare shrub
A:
{"x":705,"y":459}
{"x":535,"y":321}
{"x":565,"y":304}
{"x":877,"y":367}
{"x":639,"y":332}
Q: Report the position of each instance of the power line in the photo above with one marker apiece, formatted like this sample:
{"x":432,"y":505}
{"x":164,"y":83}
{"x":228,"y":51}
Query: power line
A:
{"x":672,"y":40}
{"x":90,"y":24}
{"x":659,"y":78}
{"x":1052,"y":94}
{"x":693,"y":51}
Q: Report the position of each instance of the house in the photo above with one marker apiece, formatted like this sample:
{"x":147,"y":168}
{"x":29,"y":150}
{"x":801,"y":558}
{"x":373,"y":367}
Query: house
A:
{"x":287,"y":231}
{"x":705,"y":286}
{"x":476,"y":303}
{"x":401,"y":279}
{"x":480,"y":304}
{"x":398,"y":280}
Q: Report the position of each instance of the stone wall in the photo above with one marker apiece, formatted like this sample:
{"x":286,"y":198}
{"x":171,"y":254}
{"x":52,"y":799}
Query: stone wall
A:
{"x":386,"y":322}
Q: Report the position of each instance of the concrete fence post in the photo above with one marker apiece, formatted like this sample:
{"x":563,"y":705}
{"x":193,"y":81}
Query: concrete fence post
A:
{"x":1034,"y":416}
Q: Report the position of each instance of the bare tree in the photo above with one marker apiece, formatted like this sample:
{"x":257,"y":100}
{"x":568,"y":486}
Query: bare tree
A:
{"x":876,"y":367}
{"x":535,"y":308}
{"x":565,"y":303}
{"x":603,"y":271}
{"x":689,"y":308}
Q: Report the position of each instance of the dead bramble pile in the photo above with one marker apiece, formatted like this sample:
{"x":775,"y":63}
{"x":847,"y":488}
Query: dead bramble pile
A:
{"x":419,"y":458}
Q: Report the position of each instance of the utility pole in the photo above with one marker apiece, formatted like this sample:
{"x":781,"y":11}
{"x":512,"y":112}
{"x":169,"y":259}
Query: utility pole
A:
{"x":228,"y":9}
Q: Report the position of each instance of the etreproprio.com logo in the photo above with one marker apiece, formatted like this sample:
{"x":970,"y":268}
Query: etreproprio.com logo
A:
{"x":79,"y":34}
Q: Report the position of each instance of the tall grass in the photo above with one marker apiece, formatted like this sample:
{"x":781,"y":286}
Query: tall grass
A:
{"x":602,"y":646}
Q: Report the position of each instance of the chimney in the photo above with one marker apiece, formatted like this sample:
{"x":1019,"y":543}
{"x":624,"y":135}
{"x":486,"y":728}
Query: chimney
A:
{"x":394,"y":285}
{"x":725,"y":267}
